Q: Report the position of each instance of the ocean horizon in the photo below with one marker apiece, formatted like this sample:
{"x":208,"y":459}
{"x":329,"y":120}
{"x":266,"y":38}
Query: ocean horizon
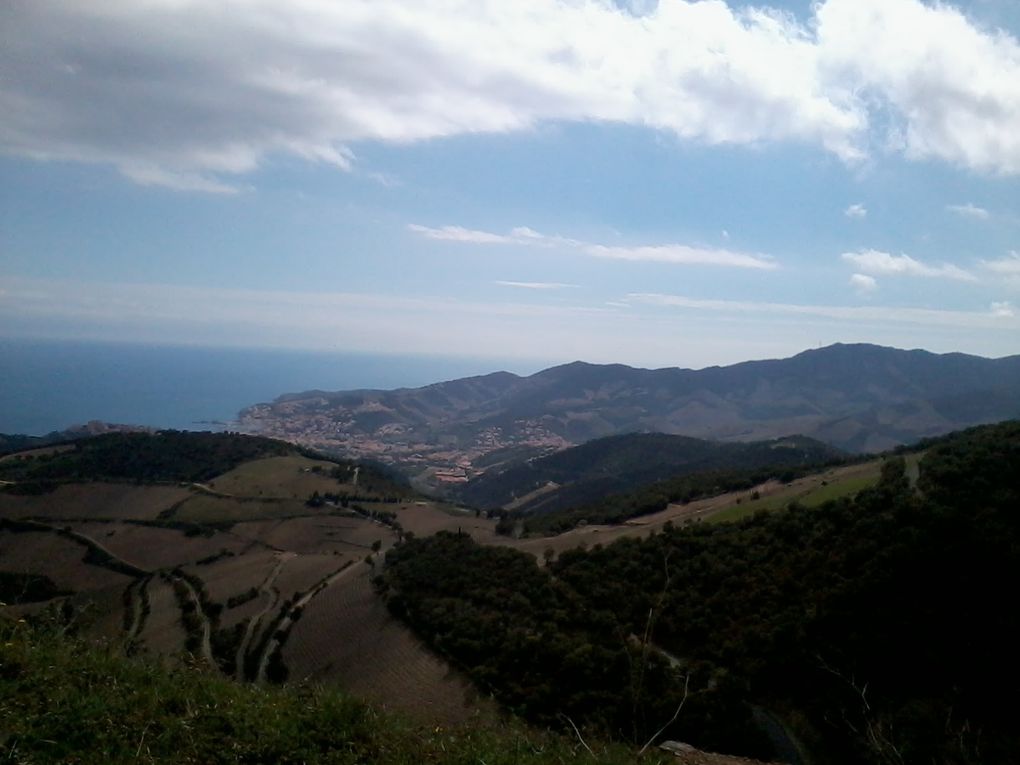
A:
{"x":48,"y":385}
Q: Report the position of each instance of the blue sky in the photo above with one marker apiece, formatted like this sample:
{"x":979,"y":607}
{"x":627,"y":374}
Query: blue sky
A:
{"x":660,"y":184}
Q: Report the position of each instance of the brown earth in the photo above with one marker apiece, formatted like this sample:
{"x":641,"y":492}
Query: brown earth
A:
{"x":94,"y":500}
{"x":59,"y":558}
{"x":347,"y":637}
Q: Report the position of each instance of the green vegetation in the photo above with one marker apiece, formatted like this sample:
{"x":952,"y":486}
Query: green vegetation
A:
{"x":143,"y":457}
{"x":64,"y":700}
{"x":872,"y":626}
{"x":625,"y":464}
{"x":617,"y":508}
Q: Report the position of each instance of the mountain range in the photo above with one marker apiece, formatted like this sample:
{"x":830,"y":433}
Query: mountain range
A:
{"x":858,"y":398}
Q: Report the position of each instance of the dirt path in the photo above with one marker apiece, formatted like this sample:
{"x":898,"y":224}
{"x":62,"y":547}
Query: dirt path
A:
{"x":288,"y":618}
{"x":205,"y":648}
{"x":204,"y":489}
{"x":136,"y":592}
{"x":266,"y":588}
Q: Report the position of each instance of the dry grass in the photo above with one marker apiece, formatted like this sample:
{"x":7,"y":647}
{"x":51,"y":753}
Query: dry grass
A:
{"x":203,"y":508}
{"x":426,"y":518}
{"x":95,"y":500}
{"x":277,"y":477}
{"x":347,"y":637}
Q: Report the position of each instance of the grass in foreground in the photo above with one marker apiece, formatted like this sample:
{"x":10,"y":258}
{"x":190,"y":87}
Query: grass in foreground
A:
{"x":64,"y":700}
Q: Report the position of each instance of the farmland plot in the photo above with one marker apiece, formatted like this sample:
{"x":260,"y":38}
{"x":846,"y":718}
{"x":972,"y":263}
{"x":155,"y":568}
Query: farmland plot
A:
{"x":205,"y":508}
{"x":163,"y":633}
{"x":347,"y":637}
{"x":94,"y":500}
{"x":59,"y":558}
{"x":427,"y":518}
{"x":153,"y":547}
{"x":317,"y":534}
{"x":278,"y":477}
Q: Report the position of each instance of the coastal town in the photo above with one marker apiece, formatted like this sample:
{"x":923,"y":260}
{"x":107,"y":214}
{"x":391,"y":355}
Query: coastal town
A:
{"x":433,"y":458}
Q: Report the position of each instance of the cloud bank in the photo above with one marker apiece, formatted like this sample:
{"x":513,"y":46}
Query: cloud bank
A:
{"x":191,"y":95}
{"x":876,"y":262}
{"x":677,"y":254}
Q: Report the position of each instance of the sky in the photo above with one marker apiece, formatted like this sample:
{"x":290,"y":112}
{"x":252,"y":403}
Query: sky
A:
{"x":661,"y":183}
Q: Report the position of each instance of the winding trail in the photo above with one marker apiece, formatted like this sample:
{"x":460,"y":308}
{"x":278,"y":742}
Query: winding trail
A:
{"x":266,"y":588}
{"x":206,"y":644}
{"x":287,"y":621}
{"x":136,"y":591}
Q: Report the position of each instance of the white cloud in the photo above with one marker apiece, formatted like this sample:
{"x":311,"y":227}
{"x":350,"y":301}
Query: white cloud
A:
{"x":857,"y":211}
{"x":1003,"y":310}
{"x":682,"y":254}
{"x":536,"y":285}
{"x":952,"y":89}
{"x":882,"y":315}
{"x":1007,"y":266}
{"x":884,"y":264}
{"x":459,"y":234}
{"x":189,"y":94}
{"x":863,"y":283}
{"x":969,"y":211}
{"x":679,"y":254}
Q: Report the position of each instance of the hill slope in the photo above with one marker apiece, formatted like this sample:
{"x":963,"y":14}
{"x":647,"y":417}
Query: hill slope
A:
{"x":617,"y":464}
{"x":857,"y":397}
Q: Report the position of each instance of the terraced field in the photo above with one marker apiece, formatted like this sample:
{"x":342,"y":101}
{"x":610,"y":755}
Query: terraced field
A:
{"x":153,"y":547}
{"x":277,"y":580}
{"x":95,"y":500}
{"x":317,"y":534}
{"x":59,"y":558}
{"x":346,"y":636}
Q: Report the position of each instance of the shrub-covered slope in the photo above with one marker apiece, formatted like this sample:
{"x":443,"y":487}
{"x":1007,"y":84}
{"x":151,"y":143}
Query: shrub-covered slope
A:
{"x":615,"y":464}
{"x":877,"y":629}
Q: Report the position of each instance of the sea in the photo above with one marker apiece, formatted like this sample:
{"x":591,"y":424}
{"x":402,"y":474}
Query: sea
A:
{"x":48,"y":385}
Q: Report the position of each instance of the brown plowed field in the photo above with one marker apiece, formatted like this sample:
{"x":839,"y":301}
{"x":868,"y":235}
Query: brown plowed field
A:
{"x":163,"y":632}
{"x":233,"y":575}
{"x":301,"y":573}
{"x":317,"y":534}
{"x":347,"y":637}
{"x":60,"y":559}
{"x":95,"y":500}
{"x":152,"y":547}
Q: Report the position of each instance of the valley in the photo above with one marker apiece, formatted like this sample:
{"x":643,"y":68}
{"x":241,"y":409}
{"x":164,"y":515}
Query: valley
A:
{"x":855,"y":398}
{"x":287,"y":567}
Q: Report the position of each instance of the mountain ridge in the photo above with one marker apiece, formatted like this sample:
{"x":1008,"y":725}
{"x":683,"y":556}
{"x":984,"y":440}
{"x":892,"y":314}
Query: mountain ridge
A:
{"x":856,"y":397}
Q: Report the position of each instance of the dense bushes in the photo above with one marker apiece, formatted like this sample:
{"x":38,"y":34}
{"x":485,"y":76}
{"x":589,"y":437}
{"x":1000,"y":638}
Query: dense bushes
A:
{"x":876,"y":627}
{"x":145,"y":457}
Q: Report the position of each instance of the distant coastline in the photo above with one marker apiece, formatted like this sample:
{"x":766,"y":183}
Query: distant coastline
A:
{"x":48,"y":385}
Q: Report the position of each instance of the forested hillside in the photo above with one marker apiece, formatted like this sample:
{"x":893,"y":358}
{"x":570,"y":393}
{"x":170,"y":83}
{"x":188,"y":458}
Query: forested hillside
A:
{"x":873,"y":629}
{"x":615,"y":464}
